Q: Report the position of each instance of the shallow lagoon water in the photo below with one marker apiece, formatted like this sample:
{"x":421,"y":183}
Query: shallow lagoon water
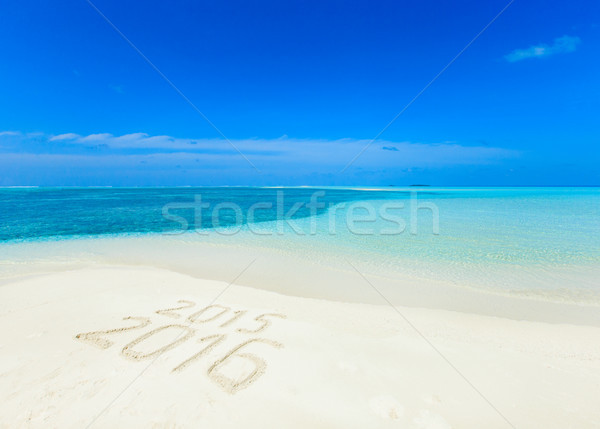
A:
{"x":534,"y":242}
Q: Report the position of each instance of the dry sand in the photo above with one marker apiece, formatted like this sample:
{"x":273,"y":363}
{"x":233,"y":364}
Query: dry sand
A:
{"x":136,"y":347}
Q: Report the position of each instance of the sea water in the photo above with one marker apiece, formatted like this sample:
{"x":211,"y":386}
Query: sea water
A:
{"x":527,"y":241}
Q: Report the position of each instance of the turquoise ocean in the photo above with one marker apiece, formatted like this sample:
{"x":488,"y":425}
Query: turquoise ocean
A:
{"x":527,"y":241}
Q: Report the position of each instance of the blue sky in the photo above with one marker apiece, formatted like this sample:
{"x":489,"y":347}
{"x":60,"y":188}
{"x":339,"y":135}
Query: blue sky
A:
{"x":300,"y":88}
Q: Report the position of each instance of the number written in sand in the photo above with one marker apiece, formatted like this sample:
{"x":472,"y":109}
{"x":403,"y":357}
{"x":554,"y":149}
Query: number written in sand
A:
{"x":96,"y":339}
{"x":237,"y":315}
{"x":265,"y":323}
{"x":201,"y":317}
{"x":232,"y":385}
{"x":170,"y":312}
{"x":234,"y":371}
{"x":216,"y":340}
{"x":129,"y":352}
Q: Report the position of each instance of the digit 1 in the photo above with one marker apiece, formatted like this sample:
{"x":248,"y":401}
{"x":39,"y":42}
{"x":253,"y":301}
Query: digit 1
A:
{"x":238,"y":314}
{"x":217,"y":340}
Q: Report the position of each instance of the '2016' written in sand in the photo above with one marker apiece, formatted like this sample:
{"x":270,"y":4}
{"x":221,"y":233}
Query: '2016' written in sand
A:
{"x":208,"y":314}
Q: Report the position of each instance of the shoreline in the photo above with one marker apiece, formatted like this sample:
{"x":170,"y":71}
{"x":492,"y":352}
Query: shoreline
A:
{"x":333,"y":279}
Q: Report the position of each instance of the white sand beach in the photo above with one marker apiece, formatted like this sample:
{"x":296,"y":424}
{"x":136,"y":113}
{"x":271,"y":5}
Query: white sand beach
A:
{"x":299,"y":215}
{"x":259,"y":359}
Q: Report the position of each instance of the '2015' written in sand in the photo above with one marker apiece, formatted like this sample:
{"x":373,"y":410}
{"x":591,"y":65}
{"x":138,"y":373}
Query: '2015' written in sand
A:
{"x":214,"y":312}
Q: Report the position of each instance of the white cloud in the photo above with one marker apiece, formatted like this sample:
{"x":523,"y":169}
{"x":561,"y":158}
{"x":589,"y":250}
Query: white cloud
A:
{"x":284,"y":153}
{"x":67,"y":136}
{"x":95,"y":137}
{"x":561,"y":45}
